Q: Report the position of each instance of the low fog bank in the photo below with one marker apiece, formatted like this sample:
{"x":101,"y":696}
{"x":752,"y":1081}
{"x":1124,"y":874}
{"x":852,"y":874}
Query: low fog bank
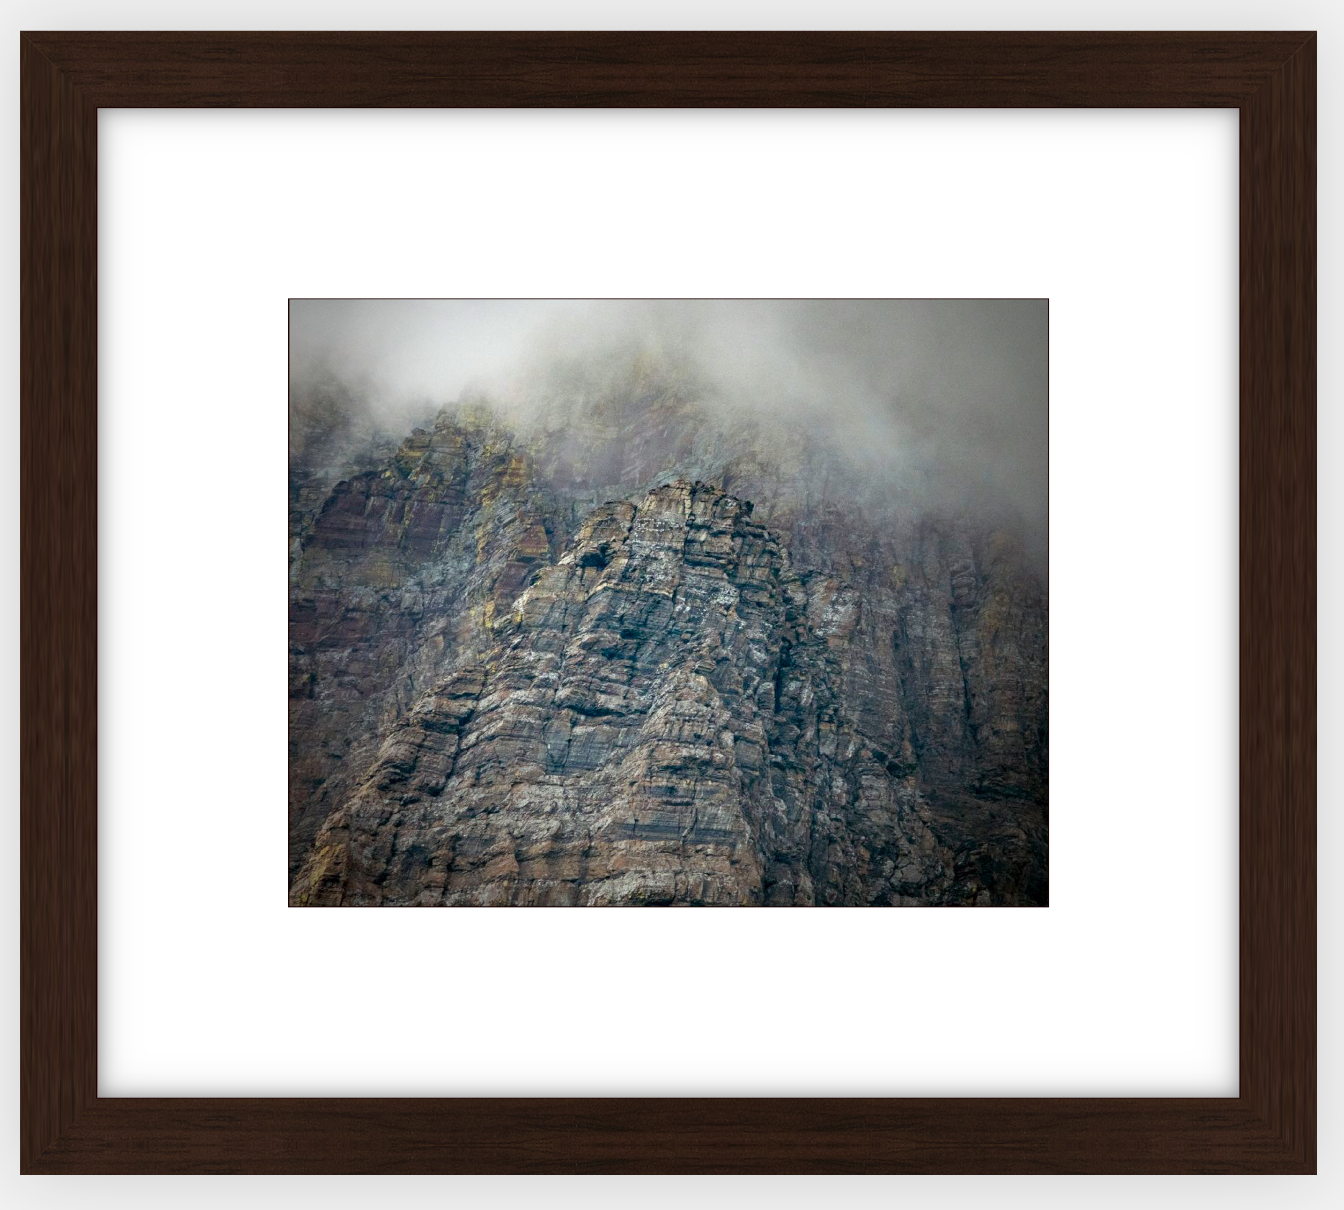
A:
{"x":946,"y":398}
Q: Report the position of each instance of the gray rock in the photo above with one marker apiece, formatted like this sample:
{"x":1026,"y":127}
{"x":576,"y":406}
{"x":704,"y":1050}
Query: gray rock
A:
{"x":505,"y":690}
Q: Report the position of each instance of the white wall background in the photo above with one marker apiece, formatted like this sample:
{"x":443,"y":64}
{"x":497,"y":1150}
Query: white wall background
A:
{"x":778,"y":15}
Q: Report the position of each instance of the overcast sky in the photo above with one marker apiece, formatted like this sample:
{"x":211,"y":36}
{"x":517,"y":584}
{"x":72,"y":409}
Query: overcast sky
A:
{"x":961,"y":386}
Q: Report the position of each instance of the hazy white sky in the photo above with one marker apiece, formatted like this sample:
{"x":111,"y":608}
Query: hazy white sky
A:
{"x":962,"y":384}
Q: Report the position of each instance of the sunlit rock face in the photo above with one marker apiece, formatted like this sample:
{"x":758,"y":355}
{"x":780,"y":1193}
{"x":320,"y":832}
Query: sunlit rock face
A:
{"x":628,"y":652}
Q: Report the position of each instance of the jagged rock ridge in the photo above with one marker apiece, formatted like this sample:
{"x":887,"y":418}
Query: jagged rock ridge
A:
{"x":519,"y":677}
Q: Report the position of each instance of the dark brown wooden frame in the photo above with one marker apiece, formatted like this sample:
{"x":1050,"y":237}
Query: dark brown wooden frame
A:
{"x":67,"y":1127}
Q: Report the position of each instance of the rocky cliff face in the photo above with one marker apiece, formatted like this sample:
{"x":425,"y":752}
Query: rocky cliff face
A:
{"x":633,"y":655}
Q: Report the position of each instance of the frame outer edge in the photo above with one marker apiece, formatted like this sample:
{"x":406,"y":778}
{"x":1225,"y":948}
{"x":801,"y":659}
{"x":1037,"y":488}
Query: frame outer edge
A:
{"x":58,"y":628}
{"x":1277,"y":675}
{"x":58,"y":524}
{"x":656,"y":68}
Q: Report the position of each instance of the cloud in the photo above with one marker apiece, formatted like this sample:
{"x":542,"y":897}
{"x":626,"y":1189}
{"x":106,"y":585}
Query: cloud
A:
{"x":950,"y":393}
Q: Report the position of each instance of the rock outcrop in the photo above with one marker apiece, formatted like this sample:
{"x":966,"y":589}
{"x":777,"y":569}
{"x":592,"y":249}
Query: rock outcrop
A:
{"x":523,"y":672}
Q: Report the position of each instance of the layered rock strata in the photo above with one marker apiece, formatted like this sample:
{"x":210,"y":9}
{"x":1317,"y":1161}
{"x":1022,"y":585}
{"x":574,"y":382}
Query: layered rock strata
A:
{"x":524,"y":679}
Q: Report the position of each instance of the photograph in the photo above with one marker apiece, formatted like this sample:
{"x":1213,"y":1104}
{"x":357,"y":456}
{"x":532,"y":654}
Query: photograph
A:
{"x":668,"y":602}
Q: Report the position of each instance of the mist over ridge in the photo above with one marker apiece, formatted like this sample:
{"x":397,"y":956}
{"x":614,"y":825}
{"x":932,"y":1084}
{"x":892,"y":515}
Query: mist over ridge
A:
{"x":925,"y":405}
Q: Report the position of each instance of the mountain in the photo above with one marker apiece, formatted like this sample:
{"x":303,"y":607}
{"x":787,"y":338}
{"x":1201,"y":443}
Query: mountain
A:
{"x":631,"y":645}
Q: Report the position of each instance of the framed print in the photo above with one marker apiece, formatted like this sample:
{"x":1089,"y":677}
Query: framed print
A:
{"x":629,"y":790}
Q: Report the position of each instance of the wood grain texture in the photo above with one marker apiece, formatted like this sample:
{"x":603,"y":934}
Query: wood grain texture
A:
{"x":668,"y":69}
{"x":1278,"y":602}
{"x":66,"y":1127}
{"x":685,"y":1135}
{"x":58,"y":626}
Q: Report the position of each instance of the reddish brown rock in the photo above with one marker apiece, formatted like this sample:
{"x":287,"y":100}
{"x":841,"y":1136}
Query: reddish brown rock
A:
{"x":521,"y":673}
